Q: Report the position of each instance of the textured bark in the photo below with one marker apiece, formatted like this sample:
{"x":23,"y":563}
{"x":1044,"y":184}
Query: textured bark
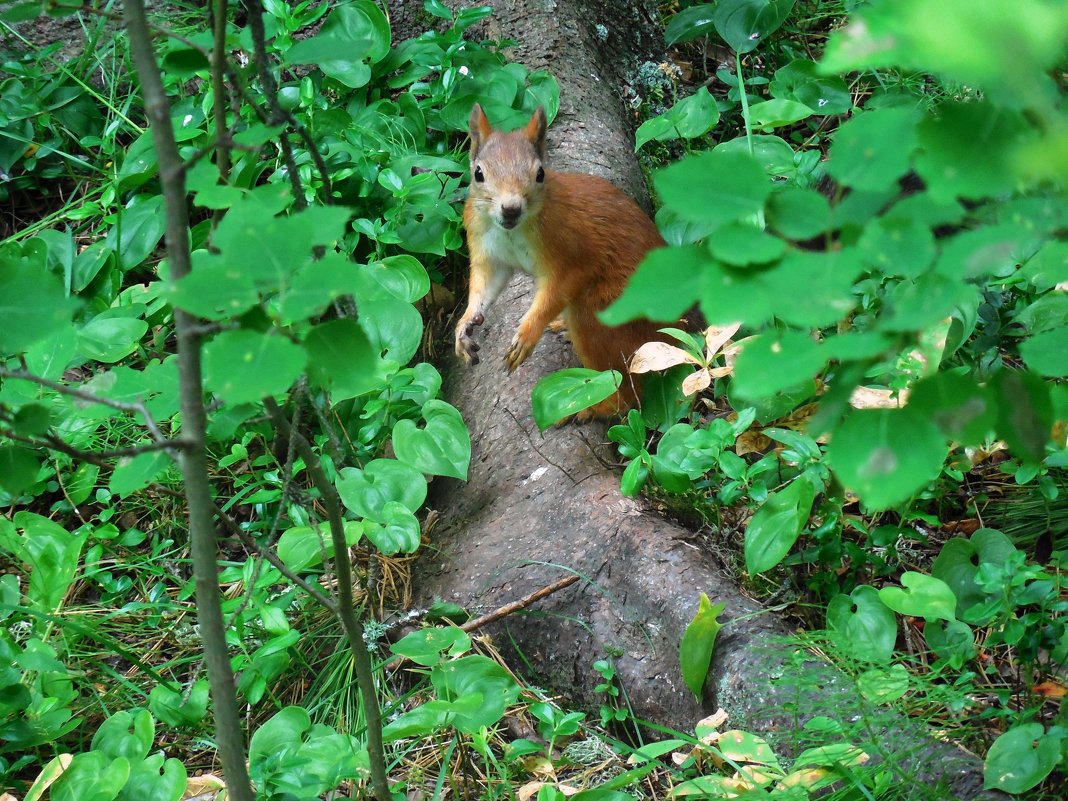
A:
{"x":536,"y":507}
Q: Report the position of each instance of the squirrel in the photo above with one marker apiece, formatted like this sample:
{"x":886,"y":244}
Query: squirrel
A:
{"x":578,"y":235}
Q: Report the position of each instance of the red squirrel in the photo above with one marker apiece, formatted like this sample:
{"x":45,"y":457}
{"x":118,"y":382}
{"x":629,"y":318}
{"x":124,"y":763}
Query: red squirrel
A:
{"x":578,"y":235}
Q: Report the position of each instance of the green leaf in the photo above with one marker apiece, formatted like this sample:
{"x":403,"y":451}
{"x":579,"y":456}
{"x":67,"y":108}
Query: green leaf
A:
{"x":109,"y":339}
{"x":958,"y":563}
{"x":872,"y":150}
{"x":771,"y":363}
{"x":470,"y":676}
{"x":777,"y":113}
{"x":394,"y":327}
{"x":1047,"y":353}
{"x":798,"y":213}
{"x":1021,"y":758}
{"x":429,"y":646}
{"x":18,"y":468}
{"x":690,"y":23}
{"x":566,"y":392}
{"x":862,"y":625}
{"x":884,"y":685}
{"x":442,"y":447}
{"x":215,"y":289}
{"x":886,"y":455}
{"x":155,"y":779}
{"x":744,"y":24}
{"x":952,"y":38}
{"x":366,"y":492}
{"x":772,"y":153}
{"x":316,"y":286}
{"x":968,"y":151}
{"x":139,"y":230}
{"x":921,"y":596}
{"x":742,"y":244}
{"x":125,"y":734}
{"x":800,"y":81}
{"x":714,"y":187}
{"x":964,"y":411}
{"x":33,"y":304}
{"x":679,"y":268}
{"x":397,"y":530}
{"x":302,"y":547}
{"x":178,"y":709}
{"x":689,"y":118}
{"x":951,"y":640}
{"x":403,"y":277}
{"x":775,"y":526}
{"x":698,"y":641}
{"x":137,"y":472}
{"x":342,"y":360}
{"x":1025,"y":413}
{"x":897,"y":246}
{"x":244,"y":366}
{"x":91,"y":776}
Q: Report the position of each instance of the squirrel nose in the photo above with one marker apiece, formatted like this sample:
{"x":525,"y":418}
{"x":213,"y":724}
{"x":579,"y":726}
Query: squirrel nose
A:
{"x":510,"y":213}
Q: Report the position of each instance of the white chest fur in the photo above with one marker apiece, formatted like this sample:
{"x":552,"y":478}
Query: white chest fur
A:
{"x":509,"y":249}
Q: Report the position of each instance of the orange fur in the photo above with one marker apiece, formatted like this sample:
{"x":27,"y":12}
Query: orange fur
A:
{"x":580,"y":237}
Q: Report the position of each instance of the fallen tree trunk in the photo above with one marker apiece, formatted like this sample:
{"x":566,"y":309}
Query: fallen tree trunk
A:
{"x":536,"y":507}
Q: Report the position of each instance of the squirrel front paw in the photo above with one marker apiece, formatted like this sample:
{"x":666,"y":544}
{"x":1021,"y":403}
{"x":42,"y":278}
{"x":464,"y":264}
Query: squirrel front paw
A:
{"x":466,"y":347}
{"x":518,"y":351}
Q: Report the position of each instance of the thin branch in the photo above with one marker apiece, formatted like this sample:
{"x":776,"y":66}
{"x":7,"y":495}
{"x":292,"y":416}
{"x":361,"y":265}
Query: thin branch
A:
{"x":55,"y":443}
{"x":193,"y":461}
{"x":133,"y":408}
{"x":353,"y":625}
{"x":515,"y":606}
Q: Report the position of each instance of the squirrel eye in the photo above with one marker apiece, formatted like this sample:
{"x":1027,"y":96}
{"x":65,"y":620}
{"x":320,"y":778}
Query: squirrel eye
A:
{"x":479,"y":177}
{"x":540,"y":177}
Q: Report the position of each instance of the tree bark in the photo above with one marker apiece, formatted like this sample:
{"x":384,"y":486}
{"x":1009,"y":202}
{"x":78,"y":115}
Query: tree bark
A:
{"x":536,"y":506}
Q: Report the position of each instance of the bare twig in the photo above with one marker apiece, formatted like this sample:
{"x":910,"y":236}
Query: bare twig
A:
{"x":515,"y":606}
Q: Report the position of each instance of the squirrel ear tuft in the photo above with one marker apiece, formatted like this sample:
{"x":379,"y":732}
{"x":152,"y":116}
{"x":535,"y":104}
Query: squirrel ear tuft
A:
{"x":535,"y":130}
{"x":479,"y":127}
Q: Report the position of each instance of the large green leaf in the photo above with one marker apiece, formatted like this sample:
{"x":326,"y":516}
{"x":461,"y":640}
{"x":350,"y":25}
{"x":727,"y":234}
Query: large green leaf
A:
{"x":714,"y":187}
{"x":801,"y":82}
{"x":964,"y":411}
{"x":32,"y":302}
{"x":921,"y":596}
{"x":886,"y":455}
{"x":342,"y":359}
{"x":689,"y":23}
{"x":872,"y":150}
{"x":1025,"y":413}
{"x":566,"y":392}
{"x":862,"y":625}
{"x":695,"y":648}
{"x":775,"y":526}
{"x":745,"y":24}
{"x":442,"y":447}
{"x":244,"y":366}
{"x":690,"y":117}
{"x":1021,"y":758}
{"x":475,"y":675}
{"x":679,"y":268}
{"x":771,"y":363}
{"x":366,"y":492}
{"x":952,"y":38}
{"x":958,"y":563}
{"x":396,"y":531}
{"x":108,"y":339}
{"x":1047,"y":353}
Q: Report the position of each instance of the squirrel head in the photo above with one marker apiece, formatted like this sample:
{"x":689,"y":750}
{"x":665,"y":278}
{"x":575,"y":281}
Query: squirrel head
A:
{"x":507,"y":171}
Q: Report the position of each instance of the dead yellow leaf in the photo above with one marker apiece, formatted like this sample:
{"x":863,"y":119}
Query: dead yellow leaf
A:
{"x":658,"y":356}
{"x":8,"y":797}
{"x":716,"y":336}
{"x":1051,"y":689}
{"x":530,"y":789}
{"x":695,"y":382}
{"x":539,"y":765}
{"x":869,"y":398}
{"x":204,"y":786}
